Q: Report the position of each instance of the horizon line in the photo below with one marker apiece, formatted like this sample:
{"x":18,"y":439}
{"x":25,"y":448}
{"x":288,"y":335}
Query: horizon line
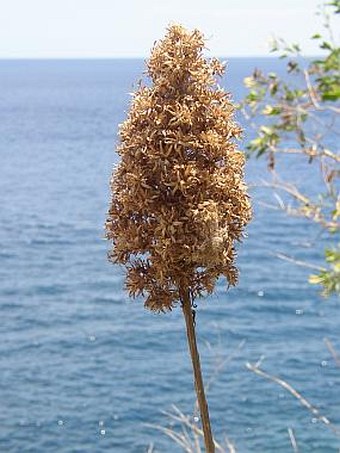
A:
{"x":144,"y":58}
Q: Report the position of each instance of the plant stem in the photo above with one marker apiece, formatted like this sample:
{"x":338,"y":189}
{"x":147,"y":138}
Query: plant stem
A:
{"x":199,"y":387}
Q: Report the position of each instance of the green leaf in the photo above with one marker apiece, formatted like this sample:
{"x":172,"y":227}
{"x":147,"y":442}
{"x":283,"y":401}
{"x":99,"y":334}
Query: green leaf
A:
{"x":292,"y":66}
{"x":329,"y":96}
{"x":271,"y":110}
{"x":326,"y":45}
{"x":315,"y":279}
{"x":266,"y":130}
{"x":336,"y":5}
{"x":296,"y":48}
{"x":273,"y":88}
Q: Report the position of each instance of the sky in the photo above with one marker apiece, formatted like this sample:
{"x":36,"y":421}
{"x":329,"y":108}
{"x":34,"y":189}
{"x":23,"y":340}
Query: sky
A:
{"x":128,"y":28}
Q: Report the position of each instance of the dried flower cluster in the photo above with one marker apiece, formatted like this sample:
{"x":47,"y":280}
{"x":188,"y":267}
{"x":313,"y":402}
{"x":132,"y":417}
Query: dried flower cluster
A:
{"x":178,"y":197}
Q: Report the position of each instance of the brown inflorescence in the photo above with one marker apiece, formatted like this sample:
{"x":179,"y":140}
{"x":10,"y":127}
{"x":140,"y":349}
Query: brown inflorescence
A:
{"x":179,"y":202}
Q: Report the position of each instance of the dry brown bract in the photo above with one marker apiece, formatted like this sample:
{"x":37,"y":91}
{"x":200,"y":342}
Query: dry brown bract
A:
{"x":178,"y":197}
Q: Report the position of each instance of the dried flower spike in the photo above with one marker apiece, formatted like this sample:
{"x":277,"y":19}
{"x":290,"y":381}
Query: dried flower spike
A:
{"x":179,"y":202}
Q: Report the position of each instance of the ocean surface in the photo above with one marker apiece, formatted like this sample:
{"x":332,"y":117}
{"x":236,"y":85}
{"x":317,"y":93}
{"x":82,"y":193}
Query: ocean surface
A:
{"x":85,"y":369}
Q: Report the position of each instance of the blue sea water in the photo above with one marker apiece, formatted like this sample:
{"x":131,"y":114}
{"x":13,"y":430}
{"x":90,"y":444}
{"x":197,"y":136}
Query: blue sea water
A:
{"x":85,"y":369}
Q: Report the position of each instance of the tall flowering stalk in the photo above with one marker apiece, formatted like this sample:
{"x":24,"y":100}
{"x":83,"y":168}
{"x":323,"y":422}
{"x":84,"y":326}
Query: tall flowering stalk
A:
{"x":179,"y":202}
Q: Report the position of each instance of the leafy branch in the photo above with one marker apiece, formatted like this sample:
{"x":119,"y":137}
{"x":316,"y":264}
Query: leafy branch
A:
{"x":298,"y":114}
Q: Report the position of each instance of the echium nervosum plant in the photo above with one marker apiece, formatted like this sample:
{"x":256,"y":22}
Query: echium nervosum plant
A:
{"x":179,"y":202}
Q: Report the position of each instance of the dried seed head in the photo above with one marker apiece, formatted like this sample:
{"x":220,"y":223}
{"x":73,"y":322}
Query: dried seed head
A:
{"x":178,"y":202}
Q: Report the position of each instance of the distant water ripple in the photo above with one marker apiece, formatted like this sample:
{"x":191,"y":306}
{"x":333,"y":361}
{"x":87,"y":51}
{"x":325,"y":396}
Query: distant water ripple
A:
{"x":82,"y":367}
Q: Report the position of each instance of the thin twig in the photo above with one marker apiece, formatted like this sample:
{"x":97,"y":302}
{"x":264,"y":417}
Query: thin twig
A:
{"x":183,"y":439}
{"x":150,"y":448}
{"x":178,"y":438}
{"x":313,"y":97}
{"x":310,"y":152}
{"x":223,"y":363}
{"x":229,"y":444}
{"x":313,"y":212}
{"x":183,"y":419}
{"x":293,"y":440}
{"x":290,"y":259}
{"x":296,"y":394}
{"x":332,"y":350}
